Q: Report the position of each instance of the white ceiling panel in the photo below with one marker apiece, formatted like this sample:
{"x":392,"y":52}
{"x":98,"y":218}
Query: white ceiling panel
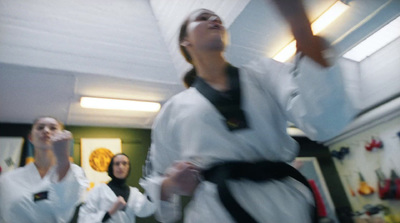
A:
{"x":113,"y":38}
{"x":27,"y":93}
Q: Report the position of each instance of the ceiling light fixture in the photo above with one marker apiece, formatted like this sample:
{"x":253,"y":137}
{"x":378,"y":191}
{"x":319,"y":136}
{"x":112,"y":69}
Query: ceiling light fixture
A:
{"x":376,"y":41}
{"x":119,"y":104}
{"x":317,"y":26}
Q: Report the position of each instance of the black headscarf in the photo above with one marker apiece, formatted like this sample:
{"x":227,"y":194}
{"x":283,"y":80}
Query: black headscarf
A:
{"x":119,"y":186}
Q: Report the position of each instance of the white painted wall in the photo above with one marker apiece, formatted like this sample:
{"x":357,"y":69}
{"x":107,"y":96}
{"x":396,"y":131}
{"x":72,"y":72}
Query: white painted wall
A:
{"x":375,"y":79}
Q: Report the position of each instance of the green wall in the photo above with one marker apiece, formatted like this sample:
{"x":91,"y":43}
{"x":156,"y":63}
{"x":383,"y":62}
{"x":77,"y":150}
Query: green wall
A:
{"x":135,"y":143}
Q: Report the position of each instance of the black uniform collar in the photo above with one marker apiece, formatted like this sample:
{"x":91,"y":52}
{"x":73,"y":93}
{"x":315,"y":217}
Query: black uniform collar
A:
{"x":120,"y":188}
{"x":228,"y":103}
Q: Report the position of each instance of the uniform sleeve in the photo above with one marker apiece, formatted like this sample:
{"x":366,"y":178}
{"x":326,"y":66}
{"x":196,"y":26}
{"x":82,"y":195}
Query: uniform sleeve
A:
{"x":139,"y":204}
{"x":326,"y":97}
{"x":163,"y":153}
{"x":90,"y":211}
{"x":312,"y":97}
{"x":69,"y":192}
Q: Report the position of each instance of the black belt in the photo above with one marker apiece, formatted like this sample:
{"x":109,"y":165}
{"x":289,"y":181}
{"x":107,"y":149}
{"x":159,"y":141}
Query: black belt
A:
{"x":258,"y":172}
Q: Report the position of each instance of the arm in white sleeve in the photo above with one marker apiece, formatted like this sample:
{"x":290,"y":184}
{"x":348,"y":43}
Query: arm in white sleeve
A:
{"x":322,"y":107}
{"x":162,"y":154}
{"x":90,"y":211}
{"x":68,"y":192}
{"x":312,"y":97}
{"x":166,"y":211}
{"x":139,"y":203}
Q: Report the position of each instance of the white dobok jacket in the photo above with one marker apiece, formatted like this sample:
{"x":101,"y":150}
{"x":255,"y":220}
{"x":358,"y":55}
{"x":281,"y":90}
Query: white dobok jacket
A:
{"x":190,"y":128}
{"x":26,"y":197}
{"x":100,"y":200}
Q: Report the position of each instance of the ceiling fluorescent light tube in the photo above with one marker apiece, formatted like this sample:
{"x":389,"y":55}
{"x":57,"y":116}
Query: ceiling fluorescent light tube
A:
{"x":317,"y":26}
{"x":376,"y":41}
{"x":119,"y":104}
{"x":286,"y":53}
{"x":328,"y":17}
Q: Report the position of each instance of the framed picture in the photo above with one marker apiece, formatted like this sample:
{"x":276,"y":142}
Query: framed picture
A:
{"x":96,"y":154}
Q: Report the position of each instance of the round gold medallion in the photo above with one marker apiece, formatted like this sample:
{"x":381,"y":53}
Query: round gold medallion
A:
{"x":100,"y":158}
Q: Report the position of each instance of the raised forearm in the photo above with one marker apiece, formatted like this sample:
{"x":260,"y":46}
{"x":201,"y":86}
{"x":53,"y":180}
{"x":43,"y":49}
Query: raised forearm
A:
{"x":294,"y":13}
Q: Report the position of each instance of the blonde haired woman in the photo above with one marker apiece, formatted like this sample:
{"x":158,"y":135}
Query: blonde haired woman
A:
{"x":48,"y":189}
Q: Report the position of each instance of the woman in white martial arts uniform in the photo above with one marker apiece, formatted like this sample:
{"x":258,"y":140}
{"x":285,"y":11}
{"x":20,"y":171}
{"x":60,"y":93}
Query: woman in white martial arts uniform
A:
{"x":224,"y":140}
{"x":48,"y":189}
{"x":116,"y":201}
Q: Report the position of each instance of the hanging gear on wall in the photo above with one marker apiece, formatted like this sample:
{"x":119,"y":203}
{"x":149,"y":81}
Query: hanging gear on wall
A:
{"x":375,"y":143}
{"x":388,"y":188}
{"x":364,"y":188}
{"x":340,"y":154}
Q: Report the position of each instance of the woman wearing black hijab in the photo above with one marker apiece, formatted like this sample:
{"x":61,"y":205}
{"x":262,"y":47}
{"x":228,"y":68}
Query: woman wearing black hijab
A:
{"x":115,"y":201}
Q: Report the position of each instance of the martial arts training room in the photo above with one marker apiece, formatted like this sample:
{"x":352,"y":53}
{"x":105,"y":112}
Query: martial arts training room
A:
{"x":173,"y":111}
